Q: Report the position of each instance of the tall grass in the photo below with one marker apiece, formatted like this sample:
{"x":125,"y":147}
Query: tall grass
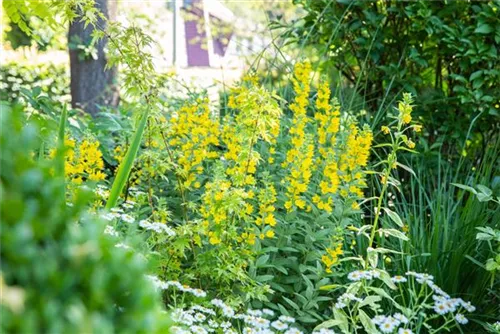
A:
{"x":442,"y":221}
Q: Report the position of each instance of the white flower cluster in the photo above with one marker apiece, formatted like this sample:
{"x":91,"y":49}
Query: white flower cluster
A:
{"x":159,"y":284}
{"x":102,"y":191}
{"x":324,"y":331}
{"x":117,"y":213}
{"x":200,"y":319}
{"x":344,"y":300}
{"x":363,"y":274}
{"x":387,"y":324}
{"x":157,"y":227}
{"x":110,"y":230}
{"x":443,"y":303}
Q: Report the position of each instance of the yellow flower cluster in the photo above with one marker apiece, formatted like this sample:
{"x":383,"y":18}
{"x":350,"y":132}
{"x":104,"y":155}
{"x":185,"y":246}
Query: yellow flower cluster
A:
{"x":328,"y":118}
{"x":328,"y":125}
{"x":257,"y":118}
{"x":83,"y":161}
{"x":331,"y":257}
{"x":299,"y":159}
{"x":405,"y":108}
{"x":193,"y":132}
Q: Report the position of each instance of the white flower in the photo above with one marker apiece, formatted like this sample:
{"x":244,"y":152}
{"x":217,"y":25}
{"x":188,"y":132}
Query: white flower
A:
{"x":255,"y":313}
{"x":108,"y":216}
{"x":227,"y":311}
{"x":217,"y":302}
{"x":339,"y":305}
{"x":293,"y":331}
{"x":198,"y":330}
{"x":355,"y":275}
{"x":387,"y":326}
{"x":198,"y":293}
{"x":127,"y":218}
{"x":110,"y":230}
{"x":441,"y":308}
{"x":225,"y":325}
{"x":461,"y":319}
{"x":199,"y":317}
{"x":401,"y":318}
{"x":285,"y":318}
{"x":324,"y":331}
{"x":269,"y":312}
{"x":279,"y":325}
{"x":260,"y":322}
{"x":468,"y":306}
{"x":405,"y":331}
{"x":378,"y":319}
{"x":213,"y":324}
{"x":122,"y":245}
{"x":399,"y":279}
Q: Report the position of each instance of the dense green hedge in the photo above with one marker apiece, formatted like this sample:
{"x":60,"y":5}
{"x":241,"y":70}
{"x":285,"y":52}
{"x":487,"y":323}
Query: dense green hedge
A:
{"x":59,"y":272}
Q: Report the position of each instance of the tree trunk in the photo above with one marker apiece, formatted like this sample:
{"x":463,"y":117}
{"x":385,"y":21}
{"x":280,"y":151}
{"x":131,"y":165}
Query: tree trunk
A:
{"x":92,"y":85}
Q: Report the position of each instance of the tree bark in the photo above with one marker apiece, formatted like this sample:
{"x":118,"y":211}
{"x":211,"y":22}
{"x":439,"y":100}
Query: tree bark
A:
{"x":92,"y":85}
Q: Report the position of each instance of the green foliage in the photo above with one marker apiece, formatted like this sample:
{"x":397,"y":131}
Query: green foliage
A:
{"x":443,"y":220}
{"x":446,"y":54}
{"x":59,"y":272}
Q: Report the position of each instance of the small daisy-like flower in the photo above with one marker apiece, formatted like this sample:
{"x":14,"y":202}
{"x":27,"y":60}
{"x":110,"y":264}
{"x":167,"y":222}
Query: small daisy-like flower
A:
{"x":293,"y":331}
{"x":260,"y":322}
{"x":405,"y":331}
{"x":199,"y":317}
{"x":279,"y":325}
{"x":324,"y":331}
{"x":441,"y":308}
{"x":355,"y":276}
{"x":255,"y":313}
{"x":401,"y":318}
{"x":461,"y":319}
{"x":268,"y":312}
{"x":198,"y":330}
{"x":110,"y":230}
{"x":399,"y":279}
{"x":378,"y":319}
{"x":127,"y":218}
{"x":225,"y":325}
{"x":468,"y":306}
{"x":387,"y":326}
{"x":213,"y":324}
{"x":285,"y":318}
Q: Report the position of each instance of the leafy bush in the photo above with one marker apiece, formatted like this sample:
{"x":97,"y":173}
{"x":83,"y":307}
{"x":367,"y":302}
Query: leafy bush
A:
{"x":59,"y":272}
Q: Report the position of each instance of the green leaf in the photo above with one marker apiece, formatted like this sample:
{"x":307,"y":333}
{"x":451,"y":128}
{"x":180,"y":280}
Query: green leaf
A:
{"x":367,"y":322}
{"x":394,"y":217}
{"x":464,"y":187}
{"x":394,"y":233}
{"x":127,"y":163}
{"x":483,"y":29}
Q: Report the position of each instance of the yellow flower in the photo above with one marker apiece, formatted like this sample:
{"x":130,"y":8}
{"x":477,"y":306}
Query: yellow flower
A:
{"x":270,"y":234}
{"x":385,"y":129}
{"x":417,"y":128}
{"x":410,"y":143}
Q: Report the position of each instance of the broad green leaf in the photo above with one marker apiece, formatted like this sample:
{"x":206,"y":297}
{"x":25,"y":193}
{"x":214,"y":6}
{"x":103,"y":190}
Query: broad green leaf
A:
{"x":394,"y":217}
{"x":367,"y":322}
